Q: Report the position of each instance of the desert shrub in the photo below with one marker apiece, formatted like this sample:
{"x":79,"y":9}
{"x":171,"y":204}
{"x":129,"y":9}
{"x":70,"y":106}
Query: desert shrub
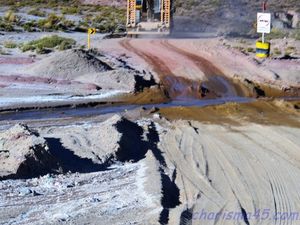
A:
{"x":11,"y":17}
{"x":8,"y":21}
{"x":27,"y":47}
{"x":70,"y":10}
{"x":277,"y":34}
{"x":50,"y":42}
{"x":37,"y":12}
{"x":67,"y":24}
{"x":104,"y":18}
{"x":29,"y":26}
{"x":40,"y":50}
{"x":276,"y":51}
{"x":109,"y":19}
{"x":50,"y":23}
{"x":6,"y":26}
{"x":55,"y":22}
{"x":64,"y":45}
{"x":250,"y":49}
{"x":49,"y":3}
{"x":10,"y":44}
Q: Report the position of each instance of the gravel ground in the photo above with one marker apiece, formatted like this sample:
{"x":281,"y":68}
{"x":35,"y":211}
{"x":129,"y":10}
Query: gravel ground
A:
{"x":151,"y":169}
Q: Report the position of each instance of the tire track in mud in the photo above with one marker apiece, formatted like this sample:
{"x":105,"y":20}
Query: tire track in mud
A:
{"x":159,"y":67}
{"x":178,"y":87}
{"x":216,"y":79}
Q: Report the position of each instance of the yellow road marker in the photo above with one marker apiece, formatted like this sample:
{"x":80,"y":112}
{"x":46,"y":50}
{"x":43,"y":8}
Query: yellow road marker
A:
{"x":90,"y":31}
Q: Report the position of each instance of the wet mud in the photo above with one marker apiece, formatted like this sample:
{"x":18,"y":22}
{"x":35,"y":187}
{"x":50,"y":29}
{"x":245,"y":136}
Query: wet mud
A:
{"x":268,"y":112}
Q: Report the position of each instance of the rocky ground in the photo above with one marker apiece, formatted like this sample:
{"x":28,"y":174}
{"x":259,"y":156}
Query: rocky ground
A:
{"x":156,"y":155}
{"x":154,"y":170}
{"x":148,"y":130}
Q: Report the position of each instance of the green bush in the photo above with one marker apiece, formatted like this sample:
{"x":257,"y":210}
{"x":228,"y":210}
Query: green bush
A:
{"x":109,"y":19}
{"x":29,"y":26}
{"x":40,"y":50}
{"x":50,"y":42}
{"x":250,"y":49}
{"x":70,"y":10}
{"x":54,"y":22}
{"x":10,"y":44}
{"x":8,"y":21}
{"x":6,"y":26}
{"x":104,"y":18}
{"x":27,"y":47}
{"x":50,"y":23}
{"x":37,"y":12}
{"x":45,"y":3}
{"x":65,"y":45}
{"x":11,"y":17}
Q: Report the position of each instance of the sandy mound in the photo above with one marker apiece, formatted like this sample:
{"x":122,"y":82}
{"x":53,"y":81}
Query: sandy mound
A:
{"x":68,"y":65}
{"x":119,"y":79}
{"x":115,"y":139}
{"x":97,"y":143}
{"x":24,"y":154}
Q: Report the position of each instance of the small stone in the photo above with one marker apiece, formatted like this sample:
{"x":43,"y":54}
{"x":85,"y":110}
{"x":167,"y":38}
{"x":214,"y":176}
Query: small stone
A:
{"x":156,"y":116}
{"x":34,"y":193}
{"x":70,"y":185}
{"x":95,"y":200}
{"x":24,"y":191}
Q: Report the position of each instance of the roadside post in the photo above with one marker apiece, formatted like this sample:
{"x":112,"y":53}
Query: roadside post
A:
{"x":263,"y":27}
{"x":91,"y":31}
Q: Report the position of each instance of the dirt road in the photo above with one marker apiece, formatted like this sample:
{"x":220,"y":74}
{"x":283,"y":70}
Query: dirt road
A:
{"x":241,"y":170}
{"x":199,"y":65}
{"x":235,"y":173}
{"x":171,"y":162}
{"x":184,"y":74}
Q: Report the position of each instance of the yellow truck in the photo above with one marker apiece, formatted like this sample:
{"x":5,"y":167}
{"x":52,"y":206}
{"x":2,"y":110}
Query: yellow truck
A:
{"x":148,"y":17}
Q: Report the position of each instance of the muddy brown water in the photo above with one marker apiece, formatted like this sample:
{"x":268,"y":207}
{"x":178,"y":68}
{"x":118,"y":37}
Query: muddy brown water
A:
{"x":86,"y":111}
{"x":174,"y":91}
{"x":271,"y":112}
